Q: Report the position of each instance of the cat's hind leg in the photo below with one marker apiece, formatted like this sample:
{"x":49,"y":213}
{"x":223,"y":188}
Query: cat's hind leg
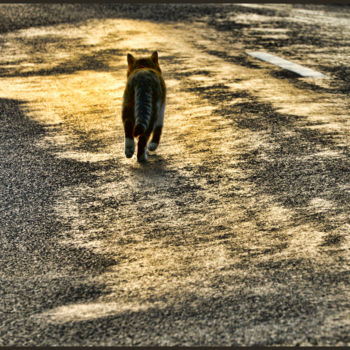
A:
{"x":157,"y":131}
{"x":141,"y":148}
{"x":129,"y":123}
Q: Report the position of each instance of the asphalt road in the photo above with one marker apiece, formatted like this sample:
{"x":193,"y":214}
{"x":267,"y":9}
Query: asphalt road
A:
{"x":236,"y":231}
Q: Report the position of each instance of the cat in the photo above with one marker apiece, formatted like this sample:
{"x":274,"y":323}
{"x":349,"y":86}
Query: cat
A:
{"x":143,"y":105}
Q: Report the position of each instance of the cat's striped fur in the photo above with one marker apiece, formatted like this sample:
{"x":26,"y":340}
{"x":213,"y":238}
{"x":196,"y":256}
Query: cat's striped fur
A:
{"x":143,"y":105}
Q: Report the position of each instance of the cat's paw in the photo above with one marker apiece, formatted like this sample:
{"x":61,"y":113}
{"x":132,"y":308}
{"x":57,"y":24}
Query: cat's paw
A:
{"x":152,"y":146}
{"x":143,"y":157}
{"x":129,"y":147}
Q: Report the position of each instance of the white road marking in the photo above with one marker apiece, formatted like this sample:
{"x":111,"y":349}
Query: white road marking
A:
{"x":278,"y":61}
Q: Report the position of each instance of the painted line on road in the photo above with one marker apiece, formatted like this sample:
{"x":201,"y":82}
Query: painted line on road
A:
{"x":278,"y":61}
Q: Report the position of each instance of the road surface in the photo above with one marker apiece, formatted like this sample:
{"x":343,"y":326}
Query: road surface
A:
{"x":236,"y":231}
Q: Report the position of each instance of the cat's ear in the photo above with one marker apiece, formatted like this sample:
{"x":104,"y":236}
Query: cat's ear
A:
{"x":131,"y":59}
{"x":154,"y":57}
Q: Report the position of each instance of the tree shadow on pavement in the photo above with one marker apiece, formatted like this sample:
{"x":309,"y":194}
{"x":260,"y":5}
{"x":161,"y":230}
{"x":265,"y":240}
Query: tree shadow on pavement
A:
{"x":247,"y":310}
{"x":44,"y":57}
{"x":296,"y":163}
{"x":37,"y":271}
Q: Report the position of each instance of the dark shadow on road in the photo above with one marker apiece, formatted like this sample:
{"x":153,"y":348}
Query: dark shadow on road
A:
{"x":20,"y":16}
{"x":254,"y":311}
{"x":291,"y":166}
{"x":296,"y":164}
{"x":96,"y":60}
{"x":37,"y":271}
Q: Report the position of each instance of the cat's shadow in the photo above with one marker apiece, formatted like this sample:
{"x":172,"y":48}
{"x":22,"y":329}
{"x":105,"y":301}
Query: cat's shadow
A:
{"x":154,"y":166}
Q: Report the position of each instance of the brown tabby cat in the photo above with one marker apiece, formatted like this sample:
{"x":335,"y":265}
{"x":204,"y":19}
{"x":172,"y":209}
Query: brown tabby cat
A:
{"x":143,"y":105}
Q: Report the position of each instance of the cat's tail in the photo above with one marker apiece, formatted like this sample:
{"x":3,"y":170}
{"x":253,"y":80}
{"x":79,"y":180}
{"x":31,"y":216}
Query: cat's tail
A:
{"x":143,"y":106}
